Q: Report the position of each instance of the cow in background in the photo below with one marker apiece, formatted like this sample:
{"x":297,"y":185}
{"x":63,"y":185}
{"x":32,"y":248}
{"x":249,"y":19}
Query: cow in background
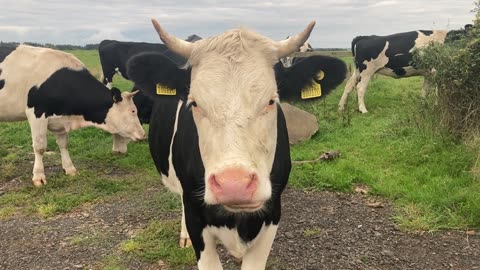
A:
{"x":54,"y":91}
{"x":391,"y":56}
{"x":115,"y":54}
{"x":113,"y":58}
{"x":288,"y":61}
{"x":218,"y":136}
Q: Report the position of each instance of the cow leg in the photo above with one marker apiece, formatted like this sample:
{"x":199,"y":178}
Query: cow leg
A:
{"x":256,"y":256}
{"x":209,"y":259}
{"x":361,"y":90}
{"x":62,"y":142}
{"x":184,"y":237}
{"x":120,"y":144}
{"x":351,"y":84}
{"x":38,"y":128}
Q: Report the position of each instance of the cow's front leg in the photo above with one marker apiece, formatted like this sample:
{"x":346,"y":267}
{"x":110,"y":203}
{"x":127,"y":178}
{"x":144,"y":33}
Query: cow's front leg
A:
{"x":257,"y":255}
{"x":208,"y":257}
{"x":184,"y":237}
{"x":120,"y":144}
{"x":38,"y":128}
{"x":67,"y":164}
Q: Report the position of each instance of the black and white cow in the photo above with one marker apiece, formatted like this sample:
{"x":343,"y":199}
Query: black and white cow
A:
{"x":218,"y":136}
{"x":388,"y":55}
{"x":113,"y":58}
{"x":54,"y":91}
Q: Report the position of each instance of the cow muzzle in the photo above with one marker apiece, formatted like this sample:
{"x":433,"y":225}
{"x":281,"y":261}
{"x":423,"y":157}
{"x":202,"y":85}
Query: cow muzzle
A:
{"x":234,"y":188}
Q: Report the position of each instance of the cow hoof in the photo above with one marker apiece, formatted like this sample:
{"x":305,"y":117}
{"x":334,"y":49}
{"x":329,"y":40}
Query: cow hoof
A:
{"x":39,"y":180}
{"x":363,"y":110}
{"x":71,"y":172}
{"x":185,"y":242}
{"x":120,"y":153}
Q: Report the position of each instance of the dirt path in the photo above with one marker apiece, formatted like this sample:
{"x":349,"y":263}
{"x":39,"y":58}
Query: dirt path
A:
{"x":324,"y":230}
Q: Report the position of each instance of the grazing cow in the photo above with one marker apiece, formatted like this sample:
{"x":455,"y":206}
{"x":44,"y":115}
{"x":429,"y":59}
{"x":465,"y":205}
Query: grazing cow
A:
{"x":389,"y":55}
{"x":218,"y":136}
{"x":54,"y":91}
{"x":113,"y":58}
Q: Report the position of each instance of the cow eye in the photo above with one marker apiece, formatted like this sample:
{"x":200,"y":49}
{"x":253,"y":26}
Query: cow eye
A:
{"x":271,"y":102}
{"x":193,"y":104}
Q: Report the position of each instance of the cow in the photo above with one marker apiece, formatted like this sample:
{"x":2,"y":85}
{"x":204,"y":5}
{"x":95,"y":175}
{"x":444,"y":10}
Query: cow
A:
{"x":115,"y":54}
{"x":218,"y":136}
{"x":54,"y":91}
{"x":113,"y":58}
{"x":389,"y":55}
{"x":288,"y":61}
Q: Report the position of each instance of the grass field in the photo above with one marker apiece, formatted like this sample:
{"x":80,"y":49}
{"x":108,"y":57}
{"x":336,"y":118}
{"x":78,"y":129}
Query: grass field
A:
{"x":425,"y":174}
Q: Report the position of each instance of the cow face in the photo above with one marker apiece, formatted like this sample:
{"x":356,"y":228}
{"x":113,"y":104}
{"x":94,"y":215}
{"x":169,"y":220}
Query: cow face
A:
{"x":233,"y":97}
{"x":122,"y":117}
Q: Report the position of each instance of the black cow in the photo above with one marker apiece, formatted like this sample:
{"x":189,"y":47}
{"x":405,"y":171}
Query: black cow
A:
{"x":54,"y":91}
{"x":115,"y":54}
{"x":389,"y":55}
{"x":218,"y":136}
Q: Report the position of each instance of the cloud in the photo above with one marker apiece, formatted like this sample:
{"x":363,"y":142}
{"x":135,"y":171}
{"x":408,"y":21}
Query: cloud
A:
{"x":338,"y":21}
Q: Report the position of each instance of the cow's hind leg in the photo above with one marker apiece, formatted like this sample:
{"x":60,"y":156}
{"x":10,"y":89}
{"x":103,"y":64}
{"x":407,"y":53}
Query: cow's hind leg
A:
{"x":256,"y":257}
{"x":38,"y":128}
{"x":67,"y":164}
{"x":351,"y":84}
{"x":362,"y":89}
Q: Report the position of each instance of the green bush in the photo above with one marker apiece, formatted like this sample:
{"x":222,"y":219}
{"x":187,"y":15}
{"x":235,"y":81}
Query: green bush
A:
{"x":456,"y":77}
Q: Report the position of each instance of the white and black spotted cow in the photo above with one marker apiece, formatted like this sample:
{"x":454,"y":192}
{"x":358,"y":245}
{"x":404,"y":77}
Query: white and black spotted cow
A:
{"x":54,"y":91}
{"x":388,"y":55}
{"x":218,"y":136}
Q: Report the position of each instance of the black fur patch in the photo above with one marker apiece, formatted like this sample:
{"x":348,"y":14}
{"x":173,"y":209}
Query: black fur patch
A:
{"x":2,"y":84}
{"x":71,"y":92}
{"x":426,"y":32}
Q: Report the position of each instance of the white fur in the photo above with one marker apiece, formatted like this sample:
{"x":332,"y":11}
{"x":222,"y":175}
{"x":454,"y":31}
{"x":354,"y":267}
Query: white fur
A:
{"x":254,"y":254}
{"x":232,"y":88}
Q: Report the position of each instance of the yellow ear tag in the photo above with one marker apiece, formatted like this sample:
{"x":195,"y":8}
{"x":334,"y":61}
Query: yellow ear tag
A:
{"x":315,"y":89}
{"x":165,"y":91}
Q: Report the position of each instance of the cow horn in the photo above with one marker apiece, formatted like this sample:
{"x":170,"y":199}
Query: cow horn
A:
{"x":291,"y":44}
{"x":178,"y":46}
{"x":130,"y":94}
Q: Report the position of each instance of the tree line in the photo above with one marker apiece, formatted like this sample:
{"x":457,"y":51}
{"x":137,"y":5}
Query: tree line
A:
{"x":52,"y":46}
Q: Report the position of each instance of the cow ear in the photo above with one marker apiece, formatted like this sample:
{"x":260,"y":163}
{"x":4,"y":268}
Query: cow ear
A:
{"x":116,"y":95}
{"x":158,"y":77}
{"x":310,"y":77}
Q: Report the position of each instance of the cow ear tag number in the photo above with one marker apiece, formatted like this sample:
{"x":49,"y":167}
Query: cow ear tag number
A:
{"x":315,"y":89}
{"x":165,"y":91}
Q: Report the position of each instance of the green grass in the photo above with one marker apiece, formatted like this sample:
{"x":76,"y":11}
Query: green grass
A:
{"x":158,"y":242}
{"x":425,"y":174}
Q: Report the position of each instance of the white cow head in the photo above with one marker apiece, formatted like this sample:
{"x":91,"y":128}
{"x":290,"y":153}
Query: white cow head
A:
{"x":122,"y":117}
{"x":233,"y":95}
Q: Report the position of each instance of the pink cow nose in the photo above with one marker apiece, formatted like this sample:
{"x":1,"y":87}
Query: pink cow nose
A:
{"x":234,"y":186}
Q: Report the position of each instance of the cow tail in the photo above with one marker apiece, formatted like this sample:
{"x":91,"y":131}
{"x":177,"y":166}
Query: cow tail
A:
{"x":354,"y":42}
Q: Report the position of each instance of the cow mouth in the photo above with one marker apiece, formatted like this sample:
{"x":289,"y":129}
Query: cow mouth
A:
{"x":244,"y":207}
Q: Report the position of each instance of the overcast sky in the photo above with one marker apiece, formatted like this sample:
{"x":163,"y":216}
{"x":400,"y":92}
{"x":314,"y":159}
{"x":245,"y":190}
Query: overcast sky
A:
{"x":338,"y":21}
